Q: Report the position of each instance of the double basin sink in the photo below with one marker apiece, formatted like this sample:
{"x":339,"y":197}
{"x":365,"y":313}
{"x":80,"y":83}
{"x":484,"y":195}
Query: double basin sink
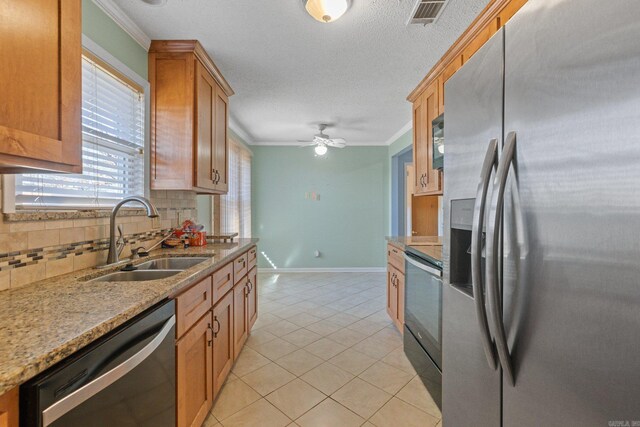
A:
{"x":154,"y":269}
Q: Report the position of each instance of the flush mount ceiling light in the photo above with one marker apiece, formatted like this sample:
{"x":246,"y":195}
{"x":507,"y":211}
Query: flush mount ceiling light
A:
{"x":326,"y":10}
{"x":320,"y":149}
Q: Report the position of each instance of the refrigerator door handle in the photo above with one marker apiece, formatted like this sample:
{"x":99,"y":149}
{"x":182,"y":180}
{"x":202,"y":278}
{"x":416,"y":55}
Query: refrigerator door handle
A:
{"x":493,"y":241}
{"x":488,"y":165}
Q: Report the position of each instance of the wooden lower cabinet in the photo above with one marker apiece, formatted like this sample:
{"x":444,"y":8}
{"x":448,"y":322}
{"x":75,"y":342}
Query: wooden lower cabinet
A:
{"x":194,"y":361}
{"x":395,"y":285}
{"x":252,"y":297}
{"x":9,"y":408}
{"x":223,"y":353}
{"x":392,"y":293}
{"x":395,"y":296}
{"x":240,"y":324}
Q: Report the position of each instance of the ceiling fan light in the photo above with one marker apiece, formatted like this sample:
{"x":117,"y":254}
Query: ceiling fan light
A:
{"x":326,"y":10}
{"x":320,"y":149}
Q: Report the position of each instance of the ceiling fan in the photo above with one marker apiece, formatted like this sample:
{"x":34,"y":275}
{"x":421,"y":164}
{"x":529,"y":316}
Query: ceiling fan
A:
{"x":322,"y":141}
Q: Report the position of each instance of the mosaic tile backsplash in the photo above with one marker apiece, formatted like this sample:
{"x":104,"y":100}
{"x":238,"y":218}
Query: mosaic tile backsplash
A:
{"x":55,"y":244}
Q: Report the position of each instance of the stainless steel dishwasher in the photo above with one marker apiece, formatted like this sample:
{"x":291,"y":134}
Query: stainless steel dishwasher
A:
{"x":126,"y":378}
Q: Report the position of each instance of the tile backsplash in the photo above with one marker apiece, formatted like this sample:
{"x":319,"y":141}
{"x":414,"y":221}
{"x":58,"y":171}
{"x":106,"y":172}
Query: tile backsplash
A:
{"x":32,"y":250}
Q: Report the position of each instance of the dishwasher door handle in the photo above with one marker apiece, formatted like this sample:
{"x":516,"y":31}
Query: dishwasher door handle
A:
{"x":423,"y":267}
{"x":75,"y":399}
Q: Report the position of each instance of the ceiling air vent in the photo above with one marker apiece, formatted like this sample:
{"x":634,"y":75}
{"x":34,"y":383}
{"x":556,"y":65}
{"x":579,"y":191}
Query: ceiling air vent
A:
{"x":426,"y":11}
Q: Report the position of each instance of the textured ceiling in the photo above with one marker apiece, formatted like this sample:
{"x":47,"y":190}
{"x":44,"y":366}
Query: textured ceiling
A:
{"x":290,"y":72}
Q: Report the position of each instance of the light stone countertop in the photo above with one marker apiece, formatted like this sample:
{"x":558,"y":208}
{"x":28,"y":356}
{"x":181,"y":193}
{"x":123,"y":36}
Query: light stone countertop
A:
{"x":44,"y":322}
{"x":431,"y":246}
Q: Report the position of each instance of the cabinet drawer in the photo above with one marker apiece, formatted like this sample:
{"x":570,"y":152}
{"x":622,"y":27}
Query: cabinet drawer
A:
{"x":395,"y":257}
{"x":222,"y":282}
{"x":192,"y":304}
{"x":252,"y":257}
{"x":240,"y":267}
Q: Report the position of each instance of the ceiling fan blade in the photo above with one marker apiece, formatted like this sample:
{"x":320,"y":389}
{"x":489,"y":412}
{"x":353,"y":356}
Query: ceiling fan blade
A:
{"x":336,"y":144}
{"x":339,"y":140}
{"x":308,"y":144}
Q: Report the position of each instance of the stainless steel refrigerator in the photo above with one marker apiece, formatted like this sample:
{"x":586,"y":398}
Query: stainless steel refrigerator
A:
{"x":541,"y":315}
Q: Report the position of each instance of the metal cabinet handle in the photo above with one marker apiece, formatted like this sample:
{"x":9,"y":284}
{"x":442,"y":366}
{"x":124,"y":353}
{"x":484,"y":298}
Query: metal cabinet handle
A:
{"x":63,"y":406}
{"x":488,"y":165}
{"x":493,"y":240}
{"x":215,"y":331}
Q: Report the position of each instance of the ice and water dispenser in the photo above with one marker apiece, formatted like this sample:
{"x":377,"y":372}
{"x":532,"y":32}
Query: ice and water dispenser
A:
{"x":460,"y":245}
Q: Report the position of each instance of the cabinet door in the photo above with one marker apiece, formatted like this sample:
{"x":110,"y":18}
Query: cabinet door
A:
{"x":194,"y":358}
{"x":400,"y":303}
{"x":392,"y":292}
{"x":240,"y":327}
{"x":223,"y":355}
{"x":419,"y":145}
{"x":252,"y":297}
{"x":205,"y":134}
{"x":172,"y":120}
{"x":9,"y":408}
{"x":41,"y":92}
{"x":221,"y":141}
{"x":430,"y":106}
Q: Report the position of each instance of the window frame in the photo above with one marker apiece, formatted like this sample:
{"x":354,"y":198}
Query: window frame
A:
{"x":95,"y":52}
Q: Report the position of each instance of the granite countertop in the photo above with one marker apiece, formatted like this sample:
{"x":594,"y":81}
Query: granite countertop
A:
{"x":44,"y":322}
{"x":431,"y":246}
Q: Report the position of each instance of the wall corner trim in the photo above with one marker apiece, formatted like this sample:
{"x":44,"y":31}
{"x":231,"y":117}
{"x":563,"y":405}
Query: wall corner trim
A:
{"x":324,"y":270}
{"x":399,"y":133}
{"x":119,"y":17}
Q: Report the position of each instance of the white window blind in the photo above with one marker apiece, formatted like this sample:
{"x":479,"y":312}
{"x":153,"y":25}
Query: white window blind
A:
{"x":235,"y":206}
{"x":112,"y":148}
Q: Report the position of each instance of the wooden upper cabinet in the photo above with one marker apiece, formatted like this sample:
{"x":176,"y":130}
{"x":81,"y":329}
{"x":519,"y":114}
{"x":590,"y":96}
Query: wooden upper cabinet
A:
{"x":427,"y":180}
{"x":189,"y":118}
{"x":448,"y":71}
{"x":221,"y":127}
{"x":480,"y":39}
{"x":419,"y":145}
{"x":509,"y":10}
{"x":41,"y":86}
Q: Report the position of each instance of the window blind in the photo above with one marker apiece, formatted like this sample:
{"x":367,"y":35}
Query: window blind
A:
{"x":112,"y":148}
{"x":235,"y":206}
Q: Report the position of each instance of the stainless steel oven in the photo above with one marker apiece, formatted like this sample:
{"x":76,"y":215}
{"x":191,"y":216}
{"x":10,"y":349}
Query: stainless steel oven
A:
{"x":423,"y":320}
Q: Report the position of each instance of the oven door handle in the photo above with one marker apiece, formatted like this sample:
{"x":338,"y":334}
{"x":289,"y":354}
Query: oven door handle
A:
{"x":488,"y":165}
{"x":75,"y":399}
{"x":423,"y":267}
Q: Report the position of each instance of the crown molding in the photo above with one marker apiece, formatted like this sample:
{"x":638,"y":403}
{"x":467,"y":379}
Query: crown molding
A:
{"x":119,"y":17}
{"x":399,"y":133}
{"x":239,"y":130}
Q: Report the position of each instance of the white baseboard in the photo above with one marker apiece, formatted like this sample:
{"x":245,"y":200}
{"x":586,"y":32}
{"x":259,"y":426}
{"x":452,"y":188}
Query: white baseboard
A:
{"x":324,"y":270}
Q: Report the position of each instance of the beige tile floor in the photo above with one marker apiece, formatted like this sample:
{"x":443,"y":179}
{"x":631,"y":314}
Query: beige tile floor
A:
{"x":323,"y":353}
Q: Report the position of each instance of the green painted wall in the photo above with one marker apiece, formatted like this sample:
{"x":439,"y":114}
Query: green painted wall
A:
{"x":101,"y":29}
{"x":347,"y":224}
